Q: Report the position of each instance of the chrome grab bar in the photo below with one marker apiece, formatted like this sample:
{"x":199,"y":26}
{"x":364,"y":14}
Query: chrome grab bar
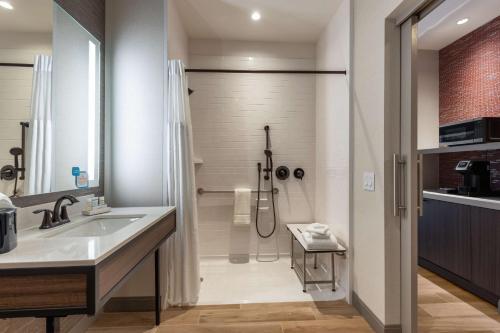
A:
{"x":202,"y":191}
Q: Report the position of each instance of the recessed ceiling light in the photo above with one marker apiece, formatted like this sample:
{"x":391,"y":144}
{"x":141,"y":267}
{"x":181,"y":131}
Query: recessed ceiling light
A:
{"x":256,"y":16}
{"x":462,"y":21}
{"x":6,"y":5}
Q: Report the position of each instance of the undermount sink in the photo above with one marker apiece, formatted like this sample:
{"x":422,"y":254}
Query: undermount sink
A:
{"x":98,"y":226}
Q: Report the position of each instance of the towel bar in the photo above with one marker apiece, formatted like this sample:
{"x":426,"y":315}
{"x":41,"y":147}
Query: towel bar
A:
{"x":202,"y":191}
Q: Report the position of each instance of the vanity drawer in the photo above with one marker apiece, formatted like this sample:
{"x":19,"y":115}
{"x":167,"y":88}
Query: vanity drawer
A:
{"x":30,"y":292}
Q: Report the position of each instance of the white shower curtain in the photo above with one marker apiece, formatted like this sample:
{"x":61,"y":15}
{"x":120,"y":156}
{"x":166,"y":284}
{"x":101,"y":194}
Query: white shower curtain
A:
{"x":40,"y":130}
{"x":181,"y":275}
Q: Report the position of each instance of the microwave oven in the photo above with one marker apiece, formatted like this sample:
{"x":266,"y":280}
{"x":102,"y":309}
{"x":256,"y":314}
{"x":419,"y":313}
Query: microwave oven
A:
{"x":475,"y":131}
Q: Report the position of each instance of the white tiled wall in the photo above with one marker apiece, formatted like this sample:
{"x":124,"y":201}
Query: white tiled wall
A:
{"x":229,"y":112}
{"x":15,"y":102}
{"x":15,"y":91}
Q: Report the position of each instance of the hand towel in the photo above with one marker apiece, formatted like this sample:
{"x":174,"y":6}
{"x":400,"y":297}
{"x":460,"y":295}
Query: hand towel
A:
{"x":318,"y":228}
{"x":242,"y":206}
{"x":319,"y":244}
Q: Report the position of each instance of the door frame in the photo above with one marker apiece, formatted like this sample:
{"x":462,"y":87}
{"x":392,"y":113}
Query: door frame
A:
{"x":409,"y":166}
{"x":406,"y":166}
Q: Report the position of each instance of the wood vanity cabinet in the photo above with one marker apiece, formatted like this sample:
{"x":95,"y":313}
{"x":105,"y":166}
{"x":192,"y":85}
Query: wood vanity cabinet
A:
{"x":62,"y":291}
{"x":462,"y":244}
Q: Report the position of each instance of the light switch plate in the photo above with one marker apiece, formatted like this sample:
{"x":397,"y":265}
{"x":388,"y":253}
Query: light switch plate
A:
{"x":369,"y":181}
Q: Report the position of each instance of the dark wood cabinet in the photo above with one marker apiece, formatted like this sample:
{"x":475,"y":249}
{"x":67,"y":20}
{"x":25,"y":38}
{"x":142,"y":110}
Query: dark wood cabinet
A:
{"x":462,"y":244}
{"x":485,"y":236}
{"x":444,"y":236}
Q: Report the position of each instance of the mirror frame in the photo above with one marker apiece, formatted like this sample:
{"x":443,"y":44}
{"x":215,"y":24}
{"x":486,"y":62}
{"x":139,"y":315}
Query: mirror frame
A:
{"x":90,"y":14}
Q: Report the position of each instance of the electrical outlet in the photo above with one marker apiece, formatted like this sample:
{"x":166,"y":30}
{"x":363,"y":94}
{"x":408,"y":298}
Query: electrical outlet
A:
{"x":369,"y":181}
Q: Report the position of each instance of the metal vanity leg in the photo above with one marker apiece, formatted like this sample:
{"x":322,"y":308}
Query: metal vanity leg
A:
{"x":315,"y":261}
{"x":157,"y":288}
{"x":305,"y":272}
{"x":291,"y":252}
{"x":50,"y":325}
{"x":333,"y":271}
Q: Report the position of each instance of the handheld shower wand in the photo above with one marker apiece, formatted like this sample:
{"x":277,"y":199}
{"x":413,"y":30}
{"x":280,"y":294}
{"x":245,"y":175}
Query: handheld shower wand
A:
{"x":268,"y":176}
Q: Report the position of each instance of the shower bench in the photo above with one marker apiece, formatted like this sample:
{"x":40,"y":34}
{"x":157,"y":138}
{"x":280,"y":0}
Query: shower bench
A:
{"x":301,"y":270}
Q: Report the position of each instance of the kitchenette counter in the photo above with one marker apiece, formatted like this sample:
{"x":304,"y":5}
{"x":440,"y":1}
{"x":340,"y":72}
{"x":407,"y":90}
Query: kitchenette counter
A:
{"x":482,"y":202}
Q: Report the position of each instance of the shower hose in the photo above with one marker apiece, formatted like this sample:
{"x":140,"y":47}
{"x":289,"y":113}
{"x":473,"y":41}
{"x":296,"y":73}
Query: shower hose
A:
{"x":270,"y":159}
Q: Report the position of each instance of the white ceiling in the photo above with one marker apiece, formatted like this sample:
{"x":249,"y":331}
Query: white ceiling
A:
{"x":27,"y":16}
{"x":282,"y":20}
{"x":439,"y":28}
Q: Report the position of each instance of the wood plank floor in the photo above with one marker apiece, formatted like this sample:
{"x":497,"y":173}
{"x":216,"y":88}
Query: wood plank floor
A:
{"x":444,"y":307}
{"x":303,"y":317}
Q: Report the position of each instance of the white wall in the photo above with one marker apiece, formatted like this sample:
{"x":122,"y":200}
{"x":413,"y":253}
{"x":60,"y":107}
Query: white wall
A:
{"x":15,"y":91}
{"x":376,"y":232}
{"x":428,"y":99}
{"x":178,"y":40}
{"x":333,"y":132}
{"x":229,"y":112}
{"x":135,"y":58}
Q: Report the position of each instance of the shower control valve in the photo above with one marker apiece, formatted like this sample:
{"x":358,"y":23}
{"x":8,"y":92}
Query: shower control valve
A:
{"x":282,"y":173}
{"x":299,"y":173}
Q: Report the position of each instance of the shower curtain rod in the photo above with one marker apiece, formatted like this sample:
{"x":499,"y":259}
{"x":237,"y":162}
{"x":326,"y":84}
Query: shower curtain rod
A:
{"x":201,"y":70}
{"x":7,"y":64}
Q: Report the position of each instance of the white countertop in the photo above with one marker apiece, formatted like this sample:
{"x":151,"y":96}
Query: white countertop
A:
{"x":35,"y":249}
{"x":483,"y":202}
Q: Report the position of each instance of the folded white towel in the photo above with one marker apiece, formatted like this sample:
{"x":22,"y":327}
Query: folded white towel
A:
{"x":316,"y":235}
{"x":242,"y":206}
{"x":319,"y":244}
{"x":318,"y":228}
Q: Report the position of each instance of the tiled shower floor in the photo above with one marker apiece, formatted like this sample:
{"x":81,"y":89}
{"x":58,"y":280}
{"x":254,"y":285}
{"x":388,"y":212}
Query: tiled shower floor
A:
{"x":258,"y":282}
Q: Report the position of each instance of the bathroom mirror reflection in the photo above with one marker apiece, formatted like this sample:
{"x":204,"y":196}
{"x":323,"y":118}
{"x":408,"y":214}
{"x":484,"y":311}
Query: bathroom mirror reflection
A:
{"x":50,"y":99}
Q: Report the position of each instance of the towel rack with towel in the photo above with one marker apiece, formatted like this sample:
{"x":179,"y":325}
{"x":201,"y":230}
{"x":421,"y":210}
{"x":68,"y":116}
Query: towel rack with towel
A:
{"x":202,"y":191}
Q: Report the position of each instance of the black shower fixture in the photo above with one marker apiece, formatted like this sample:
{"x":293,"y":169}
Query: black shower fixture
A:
{"x":282,"y":173}
{"x":299,"y":173}
{"x":190,"y":91}
{"x":268,"y":175}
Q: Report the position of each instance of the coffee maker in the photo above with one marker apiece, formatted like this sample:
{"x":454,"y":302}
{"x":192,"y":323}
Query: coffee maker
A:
{"x":476,"y":178}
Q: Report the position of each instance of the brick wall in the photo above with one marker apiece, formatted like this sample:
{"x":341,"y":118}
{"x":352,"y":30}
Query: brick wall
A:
{"x":469,"y":75}
{"x":469,"y":87}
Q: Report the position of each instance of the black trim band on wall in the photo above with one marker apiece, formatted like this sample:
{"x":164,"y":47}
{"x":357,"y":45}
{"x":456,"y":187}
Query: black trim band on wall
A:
{"x":10,"y":64}
{"x":265,"y":71}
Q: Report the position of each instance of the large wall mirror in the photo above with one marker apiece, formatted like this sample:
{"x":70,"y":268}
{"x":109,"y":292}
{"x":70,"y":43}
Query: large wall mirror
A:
{"x":50,"y":103}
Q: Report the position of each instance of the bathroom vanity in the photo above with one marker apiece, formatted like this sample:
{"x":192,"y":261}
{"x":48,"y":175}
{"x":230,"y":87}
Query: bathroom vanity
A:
{"x":75,"y":268}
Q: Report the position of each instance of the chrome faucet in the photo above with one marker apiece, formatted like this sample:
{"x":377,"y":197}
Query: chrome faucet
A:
{"x":59,"y":215}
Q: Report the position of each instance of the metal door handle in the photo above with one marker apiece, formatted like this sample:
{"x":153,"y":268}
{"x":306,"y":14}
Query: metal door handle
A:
{"x":399,"y":182}
{"x":420,"y":184}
